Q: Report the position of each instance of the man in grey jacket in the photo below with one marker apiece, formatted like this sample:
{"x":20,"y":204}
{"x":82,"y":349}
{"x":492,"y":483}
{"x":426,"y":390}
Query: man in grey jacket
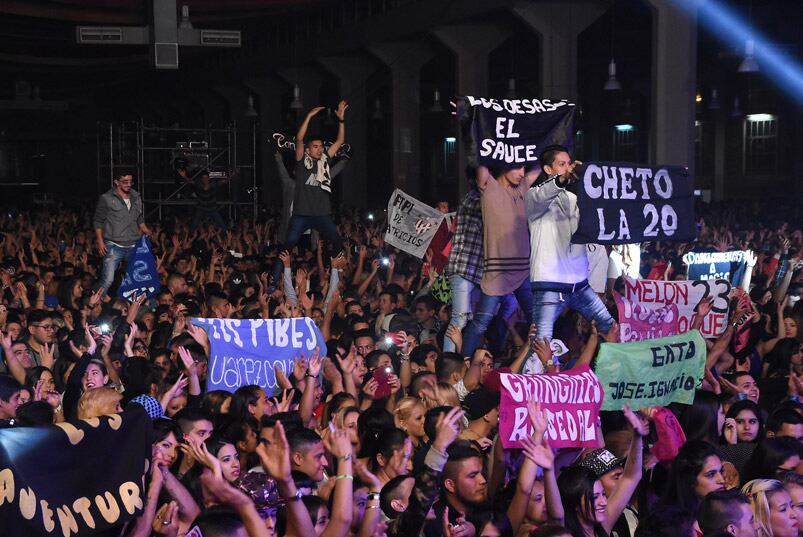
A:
{"x":558,"y":268}
{"x":119,"y":222}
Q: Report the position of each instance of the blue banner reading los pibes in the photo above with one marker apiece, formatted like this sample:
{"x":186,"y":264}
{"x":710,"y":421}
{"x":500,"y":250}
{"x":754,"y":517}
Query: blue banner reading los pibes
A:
{"x":504,"y":132}
{"x":622,"y":203}
{"x":245,"y":351}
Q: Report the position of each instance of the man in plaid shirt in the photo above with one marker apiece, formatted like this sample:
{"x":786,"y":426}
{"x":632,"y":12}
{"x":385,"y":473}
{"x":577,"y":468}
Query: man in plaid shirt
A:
{"x":465,"y":260}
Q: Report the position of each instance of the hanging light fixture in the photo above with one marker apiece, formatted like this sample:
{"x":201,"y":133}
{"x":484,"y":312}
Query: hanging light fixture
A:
{"x":250,"y":111}
{"x":511,"y":88}
{"x":713,"y":104}
{"x":612,"y":84}
{"x":378,"y":115}
{"x":296,"y":104}
{"x":749,"y":64}
{"x":737,"y":111}
{"x":330,"y":118}
{"x":436,"y":106}
{"x":185,"y":23}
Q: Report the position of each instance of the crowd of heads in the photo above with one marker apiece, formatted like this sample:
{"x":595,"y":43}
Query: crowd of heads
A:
{"x":382,"y":431}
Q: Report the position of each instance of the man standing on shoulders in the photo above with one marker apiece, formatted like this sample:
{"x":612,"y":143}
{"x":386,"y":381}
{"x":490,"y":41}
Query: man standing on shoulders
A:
{"x":558,"y":268}
{"x":312,"y":207}
{"x":506,"y":247}
{"x":119,"y":223}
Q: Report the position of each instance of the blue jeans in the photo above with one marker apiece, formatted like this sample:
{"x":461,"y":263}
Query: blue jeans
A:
{"x":485,"y":312}
{"x":548,"y":305}
{"x":296,"y":228}
{"x":461,"y":306}
{"x":114,"y":255}
{"x":203,"y":215}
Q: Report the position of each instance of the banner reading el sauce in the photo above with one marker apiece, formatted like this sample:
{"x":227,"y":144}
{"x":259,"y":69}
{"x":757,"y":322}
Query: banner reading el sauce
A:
{"x":655,"y":372}
{"x":79,"y":479}
{"x":244,"y":351}
{"x":623,"y":203}
{"x":685,"y":295}
{"x":571,"y":401}
{"x":513,"y":131}
{"x":638,"y":322}
{"x":411,"y":224}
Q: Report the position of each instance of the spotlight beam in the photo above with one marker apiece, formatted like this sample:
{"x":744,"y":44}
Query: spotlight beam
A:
{"x":730,"y":28}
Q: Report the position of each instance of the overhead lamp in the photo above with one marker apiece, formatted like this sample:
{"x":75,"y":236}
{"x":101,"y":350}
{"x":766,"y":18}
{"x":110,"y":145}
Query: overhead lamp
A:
{"x":250,"y":111}
{"x":296,"y":104}
{"x":760,"y":117}
{"x":330,"y":118}
{"x":378,"y":115}
{"x":612,"y":84}
{"x":737,"y":111}
{"x":436,"y":106}
{"x":185,"y":23}
{"x":511,"y":88}
{"x":749,"y":64}
{"x":713,"y":104}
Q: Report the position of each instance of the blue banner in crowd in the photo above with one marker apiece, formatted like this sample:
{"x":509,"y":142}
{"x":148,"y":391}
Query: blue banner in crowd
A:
{"x":716,"y":266}
{"x":141,"y":275}
{"x":244,"y":351}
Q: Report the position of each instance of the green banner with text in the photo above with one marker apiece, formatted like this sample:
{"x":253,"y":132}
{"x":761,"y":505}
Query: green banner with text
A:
{"x":654,"y":372}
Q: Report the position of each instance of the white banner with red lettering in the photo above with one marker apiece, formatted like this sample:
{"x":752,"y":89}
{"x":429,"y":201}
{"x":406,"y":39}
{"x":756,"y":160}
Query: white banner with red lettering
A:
{"x":685,"y":294}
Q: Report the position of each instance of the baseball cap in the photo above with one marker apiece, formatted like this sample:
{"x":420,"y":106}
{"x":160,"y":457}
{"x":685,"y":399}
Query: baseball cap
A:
{"x":600,"y":461}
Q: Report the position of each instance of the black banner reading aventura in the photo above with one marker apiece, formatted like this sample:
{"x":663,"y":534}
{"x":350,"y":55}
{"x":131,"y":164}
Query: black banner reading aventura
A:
{"x":501,"y":132}
{"x":623,"y":203}
{"x":73,"y":479}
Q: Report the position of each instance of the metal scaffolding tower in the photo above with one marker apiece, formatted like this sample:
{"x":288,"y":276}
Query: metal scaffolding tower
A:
{"x":156,"y":152}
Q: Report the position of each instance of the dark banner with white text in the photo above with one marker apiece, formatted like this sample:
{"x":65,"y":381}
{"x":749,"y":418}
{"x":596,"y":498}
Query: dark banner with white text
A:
{"x":501,"y":133}
{"x":623,"y":203}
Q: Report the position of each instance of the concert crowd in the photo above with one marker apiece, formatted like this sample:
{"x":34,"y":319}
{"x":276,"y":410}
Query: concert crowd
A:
{"x":392,"y":427}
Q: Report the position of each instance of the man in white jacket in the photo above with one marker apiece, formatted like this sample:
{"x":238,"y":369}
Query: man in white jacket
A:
{"x":558,"y":268}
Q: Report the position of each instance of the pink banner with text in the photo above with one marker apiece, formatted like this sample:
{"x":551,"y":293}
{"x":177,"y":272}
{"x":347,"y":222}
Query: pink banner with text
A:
{"x":571,"y":400}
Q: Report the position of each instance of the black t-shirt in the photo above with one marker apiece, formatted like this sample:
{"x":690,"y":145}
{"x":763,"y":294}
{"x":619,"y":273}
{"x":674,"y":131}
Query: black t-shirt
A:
{"x":207,"y":199}
{"x":313,"y":187}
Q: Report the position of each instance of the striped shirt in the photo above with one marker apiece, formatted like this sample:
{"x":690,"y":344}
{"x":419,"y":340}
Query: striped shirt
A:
{"x":506,"y":239}
{"x":465,"y":258}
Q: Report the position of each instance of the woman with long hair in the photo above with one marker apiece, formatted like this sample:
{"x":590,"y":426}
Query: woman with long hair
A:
{"x":588,"y":512}
{"x":704,"y":418}
{"x":409,"y":417}
{"x":696,"y":471}
{"x":772,"y":508}
{"x":391,"y":455}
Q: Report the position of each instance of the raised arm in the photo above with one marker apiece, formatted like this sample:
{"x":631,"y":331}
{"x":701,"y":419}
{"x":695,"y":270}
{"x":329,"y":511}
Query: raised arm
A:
{"x":275,"y":458}
{"x":302,"y":132}
{"x":632,"y":474}
{"x":536,"y":453}
{"x":338,"y":444}
{"x":341,"y":130}
{"x":482,"y":177}
{"x":531,"y":176}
